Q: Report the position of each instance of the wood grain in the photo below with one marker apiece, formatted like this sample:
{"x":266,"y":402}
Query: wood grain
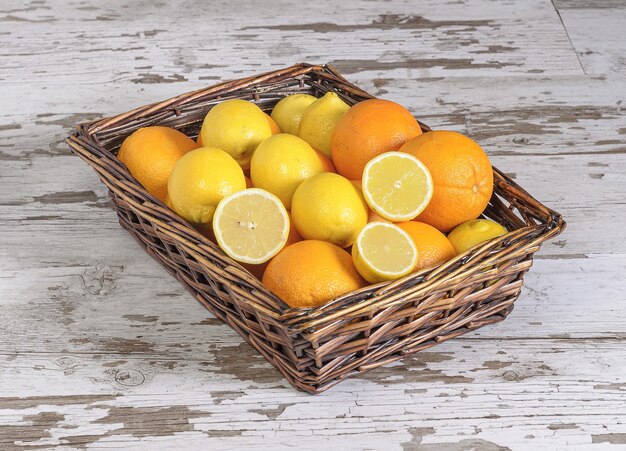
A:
{"x":100,"y":348}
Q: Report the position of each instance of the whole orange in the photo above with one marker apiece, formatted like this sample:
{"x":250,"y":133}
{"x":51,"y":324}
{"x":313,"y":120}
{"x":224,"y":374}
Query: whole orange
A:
{"x":368,"y":129}
{"x":433,"y":248}
{"x":310,"y":273}
{"x":150,"y":154}
{"x":461,"y":173}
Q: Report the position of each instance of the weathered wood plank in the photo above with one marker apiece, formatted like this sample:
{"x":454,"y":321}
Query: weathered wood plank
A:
{"x":481,"y":390}
{"x":597,"y":35}
{"x":473,"y":37}
{"x":589,"y":4}
{"x":508,"y":115}
{"x":130,"y":306}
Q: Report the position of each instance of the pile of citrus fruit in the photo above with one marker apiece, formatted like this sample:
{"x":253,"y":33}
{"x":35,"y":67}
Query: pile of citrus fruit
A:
{"x":320,"y":198}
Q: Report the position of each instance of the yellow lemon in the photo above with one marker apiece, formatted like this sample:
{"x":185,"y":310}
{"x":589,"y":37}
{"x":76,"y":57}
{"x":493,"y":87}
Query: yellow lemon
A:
{"x":281,"y":163}
{"x":383,"y":251}
{"x":319,"y":120}
{"x":237,"y":127}
{"x":397,"y":186}
{"x":199,"y":180}
{"x":251,"y":226}
{"x":329,"y":207}
{"x":288,"y":111}
{"x":473,"y":232}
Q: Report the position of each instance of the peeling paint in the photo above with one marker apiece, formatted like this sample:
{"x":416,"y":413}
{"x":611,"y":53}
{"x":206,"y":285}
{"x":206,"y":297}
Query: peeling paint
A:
{"x":121,"y":345}
{"x":67,"y":197}
{"x":149,"y":78}
{"x":383,"y":22}
{"x":32,"y":428}
{"x":141,"y":318}
{"x":616,"y":438}
{"x":351,"y":66}
{"x":560,"y":426}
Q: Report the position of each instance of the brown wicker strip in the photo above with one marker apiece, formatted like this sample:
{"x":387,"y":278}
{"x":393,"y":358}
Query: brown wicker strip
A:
{"x":315,"y":349}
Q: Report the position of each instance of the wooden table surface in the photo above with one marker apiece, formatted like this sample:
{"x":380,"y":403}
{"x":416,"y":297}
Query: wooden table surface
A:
{"x":101,"y":348}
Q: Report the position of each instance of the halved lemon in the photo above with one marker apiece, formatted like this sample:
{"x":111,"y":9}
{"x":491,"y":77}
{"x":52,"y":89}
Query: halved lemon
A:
{"x":251,"y":226}
{"x":383,"y":251}
{"x":397,"y":186}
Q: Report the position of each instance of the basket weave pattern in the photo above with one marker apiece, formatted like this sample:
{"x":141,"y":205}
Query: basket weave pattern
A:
{"x":316,"y":348}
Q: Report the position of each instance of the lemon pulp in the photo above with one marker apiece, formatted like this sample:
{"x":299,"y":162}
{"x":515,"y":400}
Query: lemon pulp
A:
{"x":251,"y":226}
{"x":384,"y":252}
{"x":397,"y":186}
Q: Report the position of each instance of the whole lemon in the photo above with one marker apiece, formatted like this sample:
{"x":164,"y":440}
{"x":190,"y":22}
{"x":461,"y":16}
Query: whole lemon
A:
{"x":473,"y":232}
{"x":237,"y":127}
{"x":310,"y":273}
{"x":329,"y":207}
{"x":288,"y":111}
{"x":319,"y":120}
{"x":199,"y":180}
{"x":150,"y":154}
{"x":281,"y":163}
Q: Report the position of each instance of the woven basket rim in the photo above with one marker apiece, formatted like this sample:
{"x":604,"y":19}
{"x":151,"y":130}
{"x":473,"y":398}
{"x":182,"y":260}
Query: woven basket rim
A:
{"x":85,"y":141}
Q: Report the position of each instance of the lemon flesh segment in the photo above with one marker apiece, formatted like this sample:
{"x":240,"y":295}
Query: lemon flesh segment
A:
{"x":384,"y":252}
{"x":251,"y":226}
{"x":397,"y":186}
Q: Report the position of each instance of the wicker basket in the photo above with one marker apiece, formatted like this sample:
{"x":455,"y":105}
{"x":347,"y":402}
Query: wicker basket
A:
{"x":316,"y":348}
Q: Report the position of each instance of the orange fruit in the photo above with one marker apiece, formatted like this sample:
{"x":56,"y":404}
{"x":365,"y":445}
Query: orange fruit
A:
{"x":327,"y":163}
{"x":273,"y":125}
{"x":368,"y":129}
{"x":461,"y":173}
{"x":258,"y":270}
{"x":199,"y":140}
{"x":310,"y":273}
{"x":150,"y":154}
{"x":433,"y":248}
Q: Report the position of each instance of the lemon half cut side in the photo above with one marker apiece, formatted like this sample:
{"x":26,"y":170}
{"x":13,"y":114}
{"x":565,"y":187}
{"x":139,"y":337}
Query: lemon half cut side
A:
{"x":384,"y":251}
{"x":397,"y":186}
{"x":251,"y":226}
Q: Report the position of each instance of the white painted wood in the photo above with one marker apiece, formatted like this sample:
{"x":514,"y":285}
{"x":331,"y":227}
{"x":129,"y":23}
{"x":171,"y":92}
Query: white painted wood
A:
{"x":100,"y":348}
{"x":596,"y":36}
